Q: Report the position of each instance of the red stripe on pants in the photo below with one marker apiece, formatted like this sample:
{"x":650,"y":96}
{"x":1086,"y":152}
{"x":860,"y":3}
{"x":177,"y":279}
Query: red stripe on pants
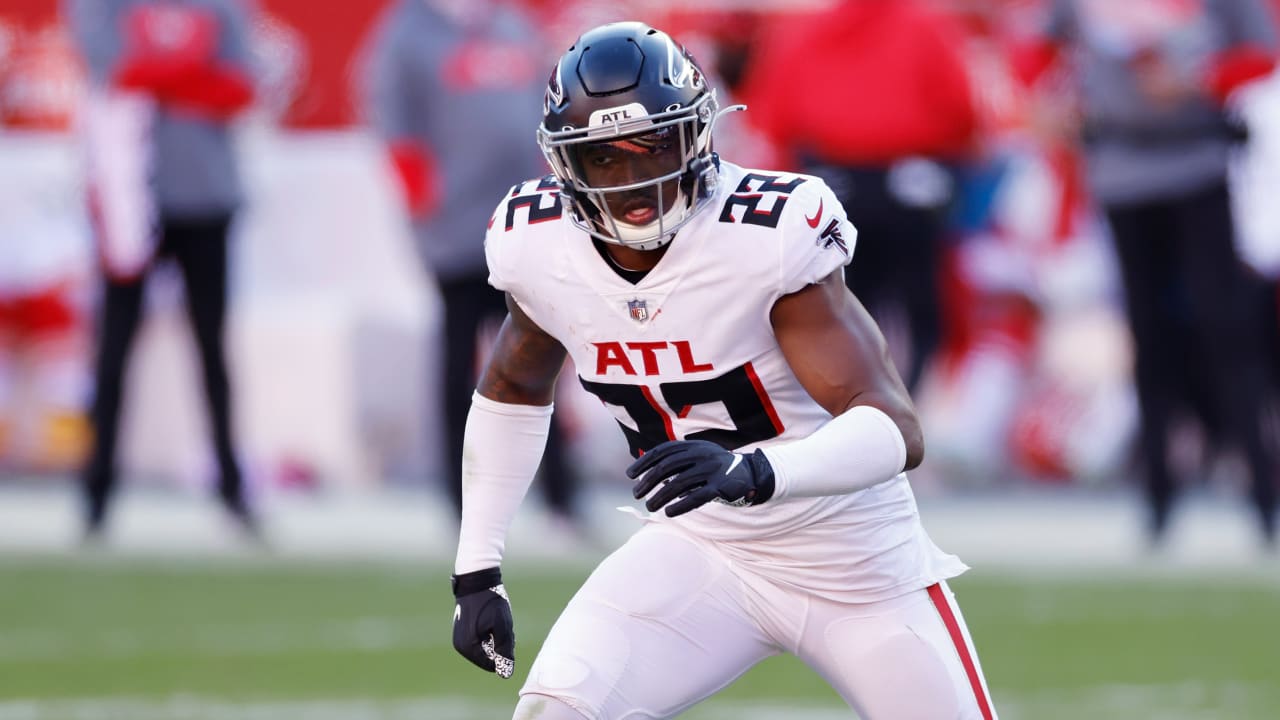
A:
{"x":962,"y":648}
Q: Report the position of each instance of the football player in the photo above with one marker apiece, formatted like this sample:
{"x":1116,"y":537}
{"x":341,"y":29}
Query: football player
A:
{"x":704,"y":304}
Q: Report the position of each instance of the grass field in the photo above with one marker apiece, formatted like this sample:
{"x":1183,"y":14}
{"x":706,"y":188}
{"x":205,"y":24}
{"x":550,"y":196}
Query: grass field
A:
{"x":109,"y":639}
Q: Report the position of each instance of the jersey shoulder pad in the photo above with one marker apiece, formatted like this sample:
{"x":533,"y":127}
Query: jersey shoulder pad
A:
{"x":817,"y":237}
{"x":527,"y":210}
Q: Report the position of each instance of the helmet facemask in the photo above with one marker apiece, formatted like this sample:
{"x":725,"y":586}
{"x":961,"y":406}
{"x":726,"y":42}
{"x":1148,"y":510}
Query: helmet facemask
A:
{"x":633,"y":178}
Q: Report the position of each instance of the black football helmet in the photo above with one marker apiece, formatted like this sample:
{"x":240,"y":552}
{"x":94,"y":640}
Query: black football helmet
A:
{"x":626,"y":93}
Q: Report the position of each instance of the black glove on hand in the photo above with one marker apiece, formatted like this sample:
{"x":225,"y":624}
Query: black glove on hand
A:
{"x":697,"y":472}
{"x":482,"y":629}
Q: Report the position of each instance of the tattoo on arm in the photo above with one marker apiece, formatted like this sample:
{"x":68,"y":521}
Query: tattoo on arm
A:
{"x":525,"y":364}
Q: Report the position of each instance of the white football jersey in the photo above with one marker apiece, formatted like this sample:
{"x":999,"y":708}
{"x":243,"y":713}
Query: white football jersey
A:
{"x":688,"y":352}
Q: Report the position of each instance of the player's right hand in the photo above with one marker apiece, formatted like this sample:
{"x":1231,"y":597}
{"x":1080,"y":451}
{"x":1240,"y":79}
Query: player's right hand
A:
{"x":483,"y":631}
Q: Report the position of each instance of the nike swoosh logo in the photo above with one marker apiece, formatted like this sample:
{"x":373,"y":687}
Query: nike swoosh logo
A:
{"x":736,"y":459}
{"x":813,"y":221}
{"x":457,"y":613}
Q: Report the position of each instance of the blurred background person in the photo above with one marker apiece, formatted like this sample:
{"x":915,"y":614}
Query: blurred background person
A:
{"x":873,"y":96}
{"x":1154,"y":79}
{"x":166,"y":78}
{"x":44,"y":257}
{"x":42,"y":343}
{"x":455,"y":89}
{"x":1030,"y":381}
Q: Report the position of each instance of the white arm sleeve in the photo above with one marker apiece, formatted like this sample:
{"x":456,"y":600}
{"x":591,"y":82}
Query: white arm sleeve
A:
{"x":501,"y":450}
{"x":858,"y":448}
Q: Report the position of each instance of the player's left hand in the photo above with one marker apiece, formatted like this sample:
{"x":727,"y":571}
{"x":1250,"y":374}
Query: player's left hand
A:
{"x":695,"y":472}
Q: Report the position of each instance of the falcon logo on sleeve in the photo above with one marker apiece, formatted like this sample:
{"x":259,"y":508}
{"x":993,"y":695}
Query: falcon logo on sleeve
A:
{"x":832,"y":235}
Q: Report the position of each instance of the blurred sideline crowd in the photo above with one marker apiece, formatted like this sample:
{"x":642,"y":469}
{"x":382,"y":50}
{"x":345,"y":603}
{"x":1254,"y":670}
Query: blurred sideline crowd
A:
{"x":241,"y":241}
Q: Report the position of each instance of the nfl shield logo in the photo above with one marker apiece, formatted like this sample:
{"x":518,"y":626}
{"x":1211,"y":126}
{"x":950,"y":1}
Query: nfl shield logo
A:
{"x":638,"y":311}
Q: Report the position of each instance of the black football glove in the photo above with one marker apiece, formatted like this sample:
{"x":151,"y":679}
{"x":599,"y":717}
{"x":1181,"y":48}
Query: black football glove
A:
{"x":695,"y":472}
{"x":482,"y":628}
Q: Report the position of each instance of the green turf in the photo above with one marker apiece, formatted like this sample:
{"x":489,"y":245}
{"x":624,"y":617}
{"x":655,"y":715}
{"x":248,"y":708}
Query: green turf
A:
{"x":232,"y":636}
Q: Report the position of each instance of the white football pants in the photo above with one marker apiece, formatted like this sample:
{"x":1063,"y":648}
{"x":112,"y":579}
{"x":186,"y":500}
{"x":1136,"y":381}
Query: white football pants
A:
{"x":667,"y":621}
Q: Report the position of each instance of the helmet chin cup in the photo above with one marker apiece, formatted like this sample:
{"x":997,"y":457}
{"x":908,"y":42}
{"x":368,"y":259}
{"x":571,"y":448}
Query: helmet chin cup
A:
{"x":649,"y":236}
{"x":645,"y":241}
